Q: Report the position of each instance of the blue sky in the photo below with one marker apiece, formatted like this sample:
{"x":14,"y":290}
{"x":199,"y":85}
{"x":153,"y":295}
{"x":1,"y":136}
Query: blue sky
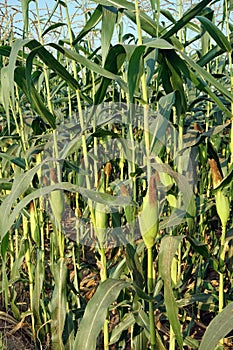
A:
{"x":44,"y":6}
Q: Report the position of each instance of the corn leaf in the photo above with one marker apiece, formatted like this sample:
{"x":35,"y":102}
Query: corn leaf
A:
{"x":120,"y":4}
{"x":58,"y":303}
{"x":218,"y":328}
{"x":91,"y":23}
{"x":20,"y":185}
{"x":25,"y":8}
{"x":38,"y":284}
{"x":186,"y":18}
{"x":52,"y":27}
{"x":115,"y":59}
{"x":15,"y":160}
{"x":215,"y":33}
{"x":90,"y":65}
{"x":35,"y":97}
{"x":109,"y":17}
{"x":133,"y":75}
{"x":7,"y":77}
{"x":52,"y":63}
{"x":168,"y":248}
{"x":22,"y":182}
{"x":127,"y":321}
{"x":207,"y":76}
{"x":95,"y":313}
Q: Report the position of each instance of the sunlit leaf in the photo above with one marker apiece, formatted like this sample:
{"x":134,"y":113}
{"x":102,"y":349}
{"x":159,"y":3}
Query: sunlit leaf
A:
{"x":95,"y":313}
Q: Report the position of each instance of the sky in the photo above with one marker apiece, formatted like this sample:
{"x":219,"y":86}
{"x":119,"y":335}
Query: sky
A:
{"x":44,"y":6}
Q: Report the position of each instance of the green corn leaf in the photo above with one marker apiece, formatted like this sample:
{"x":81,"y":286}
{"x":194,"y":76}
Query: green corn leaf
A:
{"x":95,"y":313}
{"x":22,"y":182}
{"x":17,"y":264}
{"x":150,"y":62}
{"x":197,"y":298}
{"x":52,"y":63}
{"x":215,"y":33}
{"x":199,"y":247}
{"x":159,"y":44}
{"x":15,"y":160}
{"x":191,"y":343}
{"x":90,"y":65}
{"x":4,"y":246}
{"x":25,"y":9}
{"x":134,"y":71}
{"x":109,"y":17}
{"x":165,"y":105}
{"x":120,"y":4}
{"x":127,"y":321}
{"x":20,"y":185}
{"x":200,"y":77}
{"x":218,"y":328}
{"x":5,"y":50}
{"x":91,"y":23}
{"x":206,"y":76}
{"x":177,"y":85}
{"x":37,"y":102}
{"x":142,"y":318}
{"x":186,"y":18}
{"x":113,"y":63}
{"x":168,"y":15}
{"x":7,"y":77}
{"x":168,"y":248}
{"x":58,"y":303}
{"x":147,"y":24}
{"x":52,"y":27}
{"x":134,"y":265}
{"x":38,"y":284}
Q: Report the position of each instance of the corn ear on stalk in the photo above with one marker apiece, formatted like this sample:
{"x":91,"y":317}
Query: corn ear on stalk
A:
{"x":34,"y":228}
{"x":101,"y":222}
{"x":221,"y":200}
{"x":167,"y":181}
{"x":148,"y":218}
{"x":101,"y":217}
{"x":129,"y":209}
{"x":222,"y":206}
{"x":56,"y":198}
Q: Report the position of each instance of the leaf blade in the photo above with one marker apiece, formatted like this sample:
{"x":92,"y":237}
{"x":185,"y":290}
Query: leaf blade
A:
{"x":92,"y":322}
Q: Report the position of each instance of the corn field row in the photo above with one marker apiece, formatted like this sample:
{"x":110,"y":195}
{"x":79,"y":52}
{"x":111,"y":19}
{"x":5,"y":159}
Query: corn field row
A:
{"x":116,"y":170}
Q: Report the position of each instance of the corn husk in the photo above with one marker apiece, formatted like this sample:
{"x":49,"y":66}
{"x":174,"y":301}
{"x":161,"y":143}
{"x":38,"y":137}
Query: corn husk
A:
{"x":129,"y":209}
{"x":148,"y":218}
{"x":56,"y":198}
{"x":222,"y":206}
{"x":221,"y":200}
{"x":34,"y":228}
{"x":101,"y":217}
